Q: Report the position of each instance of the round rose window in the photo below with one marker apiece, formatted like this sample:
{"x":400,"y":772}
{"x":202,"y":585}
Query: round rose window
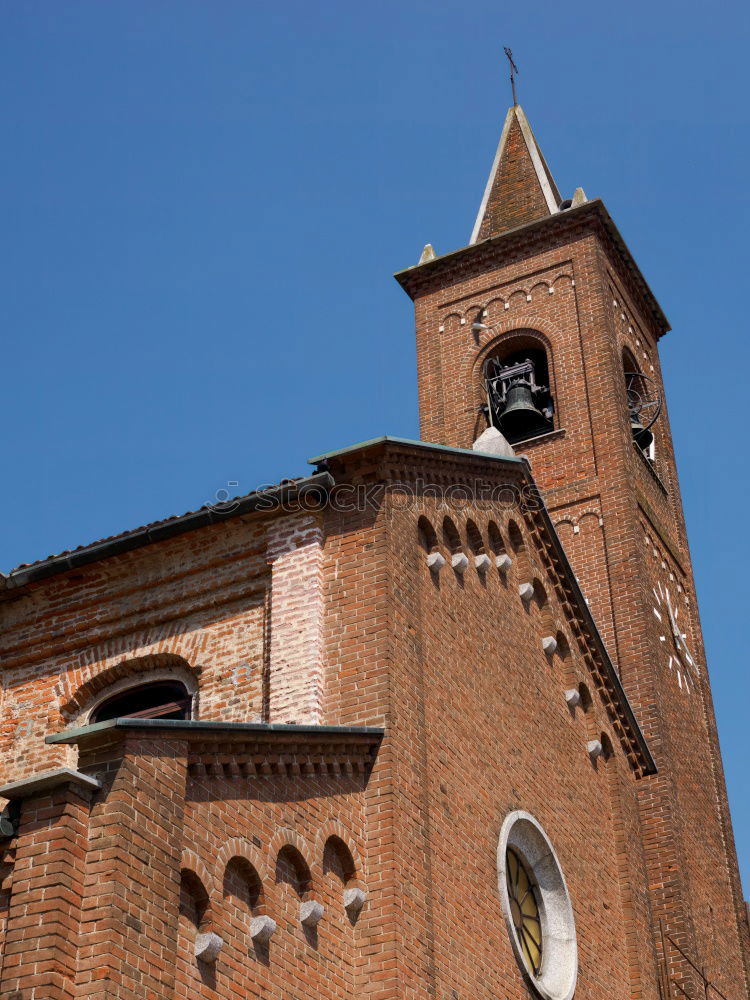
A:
{"x":537,"y":907}
{"x":524,"y":910}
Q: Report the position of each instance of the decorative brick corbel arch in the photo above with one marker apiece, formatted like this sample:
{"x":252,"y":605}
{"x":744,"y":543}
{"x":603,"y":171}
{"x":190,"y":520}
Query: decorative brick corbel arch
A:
{"x":563,"y":275}
{"x":333,"y":828}
{"x":191,"y":863}
{"x":570,"y":521}
{"x":628,"y":346}
{"x":239,"y":847}
{"x":542,"y":283}
{"x":590,"y":515}
{"x":284,"y":837}
{"x":159,"y":666}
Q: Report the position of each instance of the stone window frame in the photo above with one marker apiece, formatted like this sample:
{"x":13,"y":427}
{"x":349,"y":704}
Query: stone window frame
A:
{"x":142,"y":679}
{"x":559,"y":969}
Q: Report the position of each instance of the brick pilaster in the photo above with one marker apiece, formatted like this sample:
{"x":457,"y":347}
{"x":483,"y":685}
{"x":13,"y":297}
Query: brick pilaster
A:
{"x":132,"y":881}
{"x":40,"y":952}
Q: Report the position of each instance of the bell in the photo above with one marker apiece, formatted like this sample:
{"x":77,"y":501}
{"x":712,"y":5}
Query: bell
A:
{"x":641,"y":435}
{"x":520,"y":419}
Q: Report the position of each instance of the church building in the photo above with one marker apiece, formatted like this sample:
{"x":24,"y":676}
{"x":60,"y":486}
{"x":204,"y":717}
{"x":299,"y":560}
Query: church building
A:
{"x":432,"y":721}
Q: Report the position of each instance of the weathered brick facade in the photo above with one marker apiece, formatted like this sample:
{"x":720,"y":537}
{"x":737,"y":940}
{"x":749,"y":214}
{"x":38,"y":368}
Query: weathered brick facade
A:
{"x":384,"y":662}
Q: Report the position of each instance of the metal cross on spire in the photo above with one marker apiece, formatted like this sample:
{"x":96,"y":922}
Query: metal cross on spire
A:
{"x":513,"y":70}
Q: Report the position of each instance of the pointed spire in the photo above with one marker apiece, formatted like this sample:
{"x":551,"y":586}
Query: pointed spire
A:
{"x":520,"y":188}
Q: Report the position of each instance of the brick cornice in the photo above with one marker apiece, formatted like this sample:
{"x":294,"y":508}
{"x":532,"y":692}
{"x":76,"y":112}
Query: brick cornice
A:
{"x":591,"y":217}
{"x":598,"y":661}
{"x":234,"y":750}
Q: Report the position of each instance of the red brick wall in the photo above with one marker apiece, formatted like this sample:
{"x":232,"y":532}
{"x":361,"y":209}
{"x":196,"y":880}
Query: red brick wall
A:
{"x":259,"y":820}
{"x":483,"y":728}
{"x":477,"y":724}
{"x":43,"y":889}
{"x":192,"y":607}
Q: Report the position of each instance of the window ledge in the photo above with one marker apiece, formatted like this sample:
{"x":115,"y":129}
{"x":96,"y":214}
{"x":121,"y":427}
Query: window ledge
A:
{"x":554,"y":435}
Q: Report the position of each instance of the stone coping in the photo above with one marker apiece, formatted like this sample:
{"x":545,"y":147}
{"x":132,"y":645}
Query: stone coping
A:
{"x":214,"y":729}
{"x":43,"y":782}
{"x":419,"y":445}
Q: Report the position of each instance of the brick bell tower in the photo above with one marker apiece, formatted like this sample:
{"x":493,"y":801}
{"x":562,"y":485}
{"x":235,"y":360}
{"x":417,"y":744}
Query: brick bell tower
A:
{"x":544,"y":329}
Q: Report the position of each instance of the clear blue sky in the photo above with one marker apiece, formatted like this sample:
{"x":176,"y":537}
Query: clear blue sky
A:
{"x":203,"y":204}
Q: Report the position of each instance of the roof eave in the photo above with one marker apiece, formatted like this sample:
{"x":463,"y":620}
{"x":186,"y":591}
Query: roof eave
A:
{"x":260,"y":501}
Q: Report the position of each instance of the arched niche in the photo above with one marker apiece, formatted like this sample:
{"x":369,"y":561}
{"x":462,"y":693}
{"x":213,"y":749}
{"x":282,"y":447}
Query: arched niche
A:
{"x":517,"y":381}
{"x":426,"y":535}
{"x":292,"y":870}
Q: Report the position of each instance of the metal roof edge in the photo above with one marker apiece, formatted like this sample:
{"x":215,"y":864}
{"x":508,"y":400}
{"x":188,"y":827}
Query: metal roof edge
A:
{"x":409,"y":442}
{"x":46,"y":780}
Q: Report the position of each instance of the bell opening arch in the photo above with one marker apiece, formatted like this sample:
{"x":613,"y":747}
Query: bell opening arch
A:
{"x":515,"y":379}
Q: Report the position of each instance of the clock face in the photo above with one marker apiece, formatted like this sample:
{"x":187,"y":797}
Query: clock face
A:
{"x":667,"y":612}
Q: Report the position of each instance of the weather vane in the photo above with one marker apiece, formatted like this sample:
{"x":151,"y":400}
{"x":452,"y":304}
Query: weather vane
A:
{"x":513,"y":70}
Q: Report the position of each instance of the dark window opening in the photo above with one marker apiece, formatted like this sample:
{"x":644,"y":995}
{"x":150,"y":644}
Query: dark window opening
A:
{"x":158,"y":700}
{"x":644,"y":404}
{"x":518,"y":395}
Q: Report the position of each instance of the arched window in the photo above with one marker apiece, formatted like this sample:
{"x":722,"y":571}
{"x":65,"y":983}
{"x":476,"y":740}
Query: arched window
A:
{"x":243,"y":889}
{"x":563,"y":648}
{"x":540,"y":594}
{"x":586,"y":701}
{"x":644,"y":404}
{"x":193,"y":900}
{"x":193,"y":919}
{"x":157,"y":700}
{"x":337,"y":858}
{"x":517,"y":382}
{"x":516,"y":538}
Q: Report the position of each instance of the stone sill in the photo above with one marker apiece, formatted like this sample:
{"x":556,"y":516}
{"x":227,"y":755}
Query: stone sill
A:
{"x":554,"y":435}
